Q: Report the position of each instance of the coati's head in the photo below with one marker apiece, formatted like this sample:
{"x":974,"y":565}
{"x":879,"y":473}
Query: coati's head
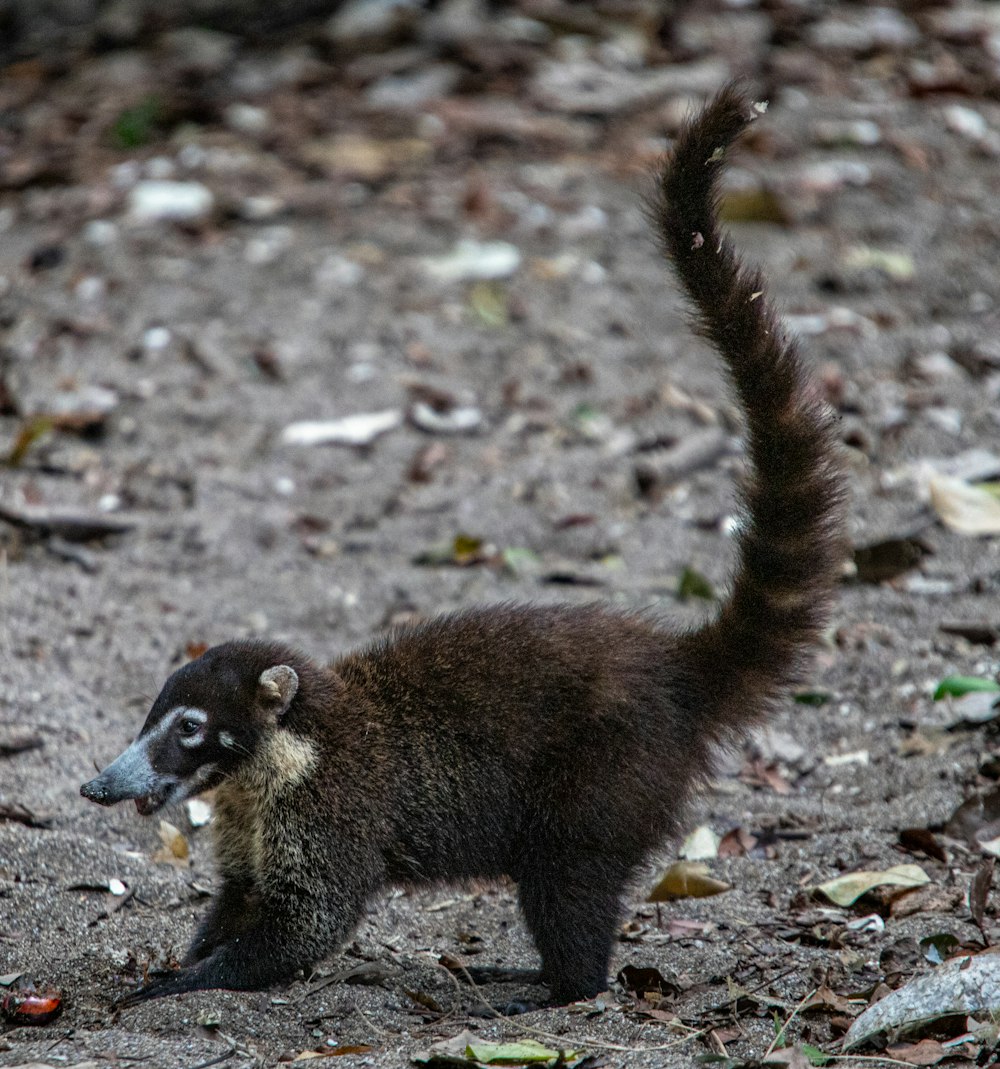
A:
{"x":211,"y":716}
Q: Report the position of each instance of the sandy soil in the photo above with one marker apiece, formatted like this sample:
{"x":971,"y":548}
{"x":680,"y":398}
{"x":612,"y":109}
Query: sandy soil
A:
{"x":305,"y":293}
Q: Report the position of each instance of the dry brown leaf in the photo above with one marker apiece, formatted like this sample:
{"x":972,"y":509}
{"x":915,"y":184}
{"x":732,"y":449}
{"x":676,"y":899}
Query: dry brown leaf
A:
{"x":687,"y":879}
{"x":926,"y":1052}
{"x":175,"y":849}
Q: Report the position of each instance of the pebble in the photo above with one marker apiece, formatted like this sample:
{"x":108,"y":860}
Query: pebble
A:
{"x":337,"y":272}
{"x":100,"y":232}
{"x":159,"y":167}
{"x":156,"y":339}
{"x":360,"y":20}
{"x":90,"y":289}
{"x":259,"y":209}
{"x":470,"y":259}
{"x":247,"y":119}
{"x":268,"y":245}
{"x":199,"y":51}
{"x":585,"y":87}
{"x":154,"y":201}
{"x":862,"y":132}
{"x":405,"y":91}
{"x":878,"y":28}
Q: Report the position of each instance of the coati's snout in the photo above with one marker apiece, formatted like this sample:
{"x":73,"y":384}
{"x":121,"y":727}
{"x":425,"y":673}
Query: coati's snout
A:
{"x":203,"y":725}
{"x":131,"y":775}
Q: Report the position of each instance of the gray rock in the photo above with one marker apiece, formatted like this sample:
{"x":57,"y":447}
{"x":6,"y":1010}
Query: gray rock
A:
{"x":360,"y":21}
{"x":585,"y":87}
{"x":198,"y":51}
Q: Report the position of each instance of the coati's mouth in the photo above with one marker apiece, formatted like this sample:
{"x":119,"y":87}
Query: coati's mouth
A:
{"x":147,"y":804}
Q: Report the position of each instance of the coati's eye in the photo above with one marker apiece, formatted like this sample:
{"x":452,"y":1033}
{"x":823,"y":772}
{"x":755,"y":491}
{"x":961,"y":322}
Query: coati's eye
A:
{"x":189,"y":726}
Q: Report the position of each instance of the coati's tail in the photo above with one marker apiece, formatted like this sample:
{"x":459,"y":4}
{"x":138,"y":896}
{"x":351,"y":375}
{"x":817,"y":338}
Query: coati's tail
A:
{"x":790,"y":545}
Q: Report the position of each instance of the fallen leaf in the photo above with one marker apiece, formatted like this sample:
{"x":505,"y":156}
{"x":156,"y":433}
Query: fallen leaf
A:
{"x":846,"y":890}
{"x":736,"y":843}
{"x":977,"y":819}
{"x":640,"y":981}
{"x":937,"y":948}
{"x":825,"y":1000}
{"x":33,"y":430}
{"x":926,"y":1052}
{"x":965,"y":509}
{"x":897,"y":265}
{"x":957,"y":686}
{"x":700,"y":845}
{"x":175,"y":849}
{"x":687,"y":879}
{"x":966,"y":985}
{"x":880,"y":561}
{"x":752,"y":205}
{"x":790,"y":1057}
{"x":521,"y":1052}
{"x":490,"y":302}
{"x":922,"y":840}
{"x":692,"y":584}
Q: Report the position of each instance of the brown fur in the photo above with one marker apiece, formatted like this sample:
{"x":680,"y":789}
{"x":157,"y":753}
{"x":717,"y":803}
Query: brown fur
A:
{"x":553,"y":745}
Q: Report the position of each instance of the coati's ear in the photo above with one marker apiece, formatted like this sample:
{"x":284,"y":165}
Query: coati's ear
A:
{"x":276,"y":688}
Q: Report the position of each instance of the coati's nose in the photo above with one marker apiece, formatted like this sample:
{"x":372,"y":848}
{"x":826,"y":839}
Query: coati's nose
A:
{"x":95,"y":791}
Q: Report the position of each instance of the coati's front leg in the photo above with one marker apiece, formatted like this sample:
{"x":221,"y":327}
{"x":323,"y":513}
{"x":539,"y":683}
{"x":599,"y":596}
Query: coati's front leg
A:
{"x":291,"y":929}
{"x":231,"y":911}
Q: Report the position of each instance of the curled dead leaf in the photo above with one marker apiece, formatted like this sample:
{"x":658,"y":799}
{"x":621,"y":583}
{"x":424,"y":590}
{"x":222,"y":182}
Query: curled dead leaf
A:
{"x":687,"y":879}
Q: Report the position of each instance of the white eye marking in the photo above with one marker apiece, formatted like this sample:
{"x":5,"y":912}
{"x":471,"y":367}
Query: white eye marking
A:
{"x":227,"y":740}
{"x":190,"y":722}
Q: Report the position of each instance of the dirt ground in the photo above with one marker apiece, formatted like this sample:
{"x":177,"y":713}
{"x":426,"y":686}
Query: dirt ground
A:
{"x":168,"y":357}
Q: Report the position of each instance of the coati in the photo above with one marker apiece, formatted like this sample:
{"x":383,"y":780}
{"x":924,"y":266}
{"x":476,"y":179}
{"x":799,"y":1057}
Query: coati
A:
{"x":553,"y":745}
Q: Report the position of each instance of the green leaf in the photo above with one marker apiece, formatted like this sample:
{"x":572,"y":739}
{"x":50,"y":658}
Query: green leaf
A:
{"x":815,"y":1055}
{"x":490,"y":303}
{"x":518,"y":561}
{"x":136,"y":126}
{"x":693,"y":584}
{"x":956,"y":686}
{"x":31,"y":431}
{"x":812,"y":697}
{"x":523,"y":1052}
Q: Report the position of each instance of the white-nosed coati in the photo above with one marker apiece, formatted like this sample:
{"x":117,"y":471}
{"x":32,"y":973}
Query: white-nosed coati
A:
{"x":552,"y":745}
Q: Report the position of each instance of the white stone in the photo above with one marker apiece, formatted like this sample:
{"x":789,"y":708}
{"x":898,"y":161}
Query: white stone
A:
{"x":154,"y":201}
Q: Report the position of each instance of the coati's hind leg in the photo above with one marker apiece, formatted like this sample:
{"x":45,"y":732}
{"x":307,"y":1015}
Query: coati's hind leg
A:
{"x":572,"y":912}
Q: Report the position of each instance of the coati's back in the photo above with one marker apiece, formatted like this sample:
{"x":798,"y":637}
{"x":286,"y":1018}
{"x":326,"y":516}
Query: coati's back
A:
{"x":509,"y":725}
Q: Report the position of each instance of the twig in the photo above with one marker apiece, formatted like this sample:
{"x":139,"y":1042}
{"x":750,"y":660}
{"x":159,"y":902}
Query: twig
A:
{"x":219,"y":1058}
{"x":784,"y":1028}
{"x":123,"y":901}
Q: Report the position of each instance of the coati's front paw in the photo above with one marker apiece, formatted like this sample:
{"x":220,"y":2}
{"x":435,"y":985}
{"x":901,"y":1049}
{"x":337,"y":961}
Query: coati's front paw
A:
{"x":154,"y":989}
